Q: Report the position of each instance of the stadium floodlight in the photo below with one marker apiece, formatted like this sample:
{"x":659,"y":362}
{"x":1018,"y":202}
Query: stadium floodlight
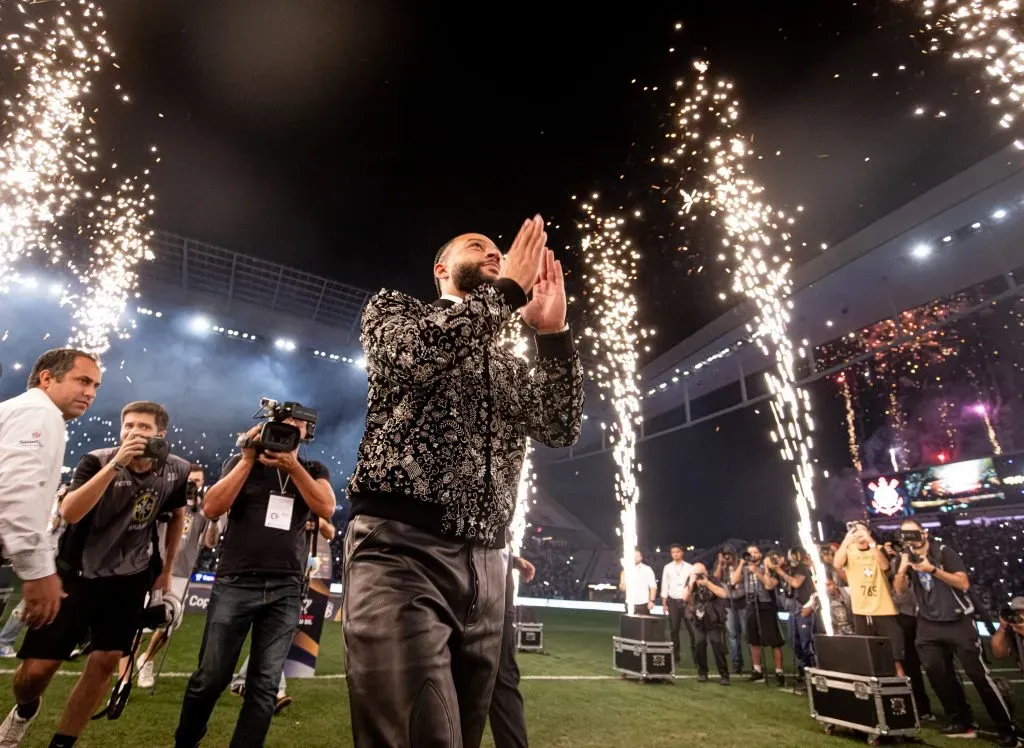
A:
{"x":56,"y":289}
{"x":360,"y":362}
{"x":199,"y":324}
{"x":999,"y":215}
{"x":283,"y":344}
{"x":30,"y":282}
{"x":921,"y":251}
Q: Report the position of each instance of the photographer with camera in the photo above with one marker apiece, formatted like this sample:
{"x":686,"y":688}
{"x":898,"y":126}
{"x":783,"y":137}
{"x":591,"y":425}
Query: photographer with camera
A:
{"x":675,"y":578}
{"x":108,"y":562}
{"x":268,"y":493}
{"x":867,"y":571}
{"x":762,"y":612}
{"x":198,"y":533}
{"x":795,"y":575}
{"x":735,"y":612}
{"x":1008,"y":641}
{"x":945,"y":628}
{"x":906,"y":616}
{"x":705,"y":608}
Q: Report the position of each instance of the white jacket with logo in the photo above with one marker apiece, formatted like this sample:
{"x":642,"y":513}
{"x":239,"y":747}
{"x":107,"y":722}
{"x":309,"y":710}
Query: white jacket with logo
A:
{"x":32,"y":441}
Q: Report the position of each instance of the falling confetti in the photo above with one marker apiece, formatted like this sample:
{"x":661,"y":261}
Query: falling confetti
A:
{"x":709,"y":158}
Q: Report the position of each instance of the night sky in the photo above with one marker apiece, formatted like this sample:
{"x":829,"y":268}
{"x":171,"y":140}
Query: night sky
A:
{"x":352,"y":139}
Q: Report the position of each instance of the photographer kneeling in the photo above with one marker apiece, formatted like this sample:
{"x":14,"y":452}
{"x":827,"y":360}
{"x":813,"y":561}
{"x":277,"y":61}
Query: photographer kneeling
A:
{"x":945,"y":628}
{"x":705,"y":607}
{"x":269,"y":495}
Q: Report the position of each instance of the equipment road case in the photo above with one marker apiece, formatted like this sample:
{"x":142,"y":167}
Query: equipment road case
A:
{"x":530,"y":637}
{"x":643,"y":659}
{"x":878,"y":707}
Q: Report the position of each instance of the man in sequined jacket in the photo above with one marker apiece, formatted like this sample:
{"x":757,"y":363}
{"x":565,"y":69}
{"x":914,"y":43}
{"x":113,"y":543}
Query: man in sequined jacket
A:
{"x":449,"y":413}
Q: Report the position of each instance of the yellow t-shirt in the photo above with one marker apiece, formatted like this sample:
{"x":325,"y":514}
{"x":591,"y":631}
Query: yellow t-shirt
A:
{"x":869,"y":585}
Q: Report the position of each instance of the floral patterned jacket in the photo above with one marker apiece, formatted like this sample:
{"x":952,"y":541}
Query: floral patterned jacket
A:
{"x":449,"y":411}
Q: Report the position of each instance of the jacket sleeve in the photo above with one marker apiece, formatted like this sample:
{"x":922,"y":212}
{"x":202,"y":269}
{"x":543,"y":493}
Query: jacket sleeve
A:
{"x":555,"y":392}
{"x":30,"y":445}
{"x":406,"y":347}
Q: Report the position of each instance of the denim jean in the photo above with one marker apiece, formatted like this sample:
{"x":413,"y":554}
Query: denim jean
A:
{"x":801,"y":633}
{"x":736,"y":630}
{"x":270,"y":606}
{"x":243,"y":671}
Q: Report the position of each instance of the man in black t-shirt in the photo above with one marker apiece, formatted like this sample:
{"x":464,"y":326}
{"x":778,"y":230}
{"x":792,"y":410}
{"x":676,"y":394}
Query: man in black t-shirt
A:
{"x":945,"y":628}
{"x":268,"y":496}
{"x":795,"y":576}
{"x":705,"y":600}
{"x":107,"y":564}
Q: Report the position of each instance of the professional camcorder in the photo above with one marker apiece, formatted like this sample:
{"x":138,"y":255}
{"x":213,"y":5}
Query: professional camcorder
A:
{"x":275,"y":435}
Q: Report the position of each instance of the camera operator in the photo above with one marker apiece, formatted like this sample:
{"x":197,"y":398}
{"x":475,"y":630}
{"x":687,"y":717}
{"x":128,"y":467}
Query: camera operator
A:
{"x":866,"y":567}
{"x":674,"y":579}
{"x":1009,"y":639}
{"x":795,"y":575}
{"x":945,"y":627}
{"x":198,"y":532}
{"x":107,"y":563}
{"x":259,"y":578}
{"x":319,"y":568}
{"x":640,"y":586}
{"x":705,"y":607}
{"x":906,"y":616}
{"x":33,"y":434}
{"x":762,"y":612}
{"x":735,"y":612}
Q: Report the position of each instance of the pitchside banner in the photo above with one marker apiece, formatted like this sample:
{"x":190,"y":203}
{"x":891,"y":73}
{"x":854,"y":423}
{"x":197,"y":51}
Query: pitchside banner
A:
{"x":301,"y":662}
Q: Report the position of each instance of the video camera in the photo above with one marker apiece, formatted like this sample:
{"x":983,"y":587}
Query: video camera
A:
{"x":275,"y":435}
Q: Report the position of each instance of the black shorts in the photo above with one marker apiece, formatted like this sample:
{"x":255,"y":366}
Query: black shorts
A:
{"x":887,"y":627}
{"x":763,"y":626}
{"x":104,"y":611}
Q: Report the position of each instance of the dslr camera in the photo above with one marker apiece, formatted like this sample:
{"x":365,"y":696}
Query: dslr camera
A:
{"x":902,"y":543}
{"x":275,"y":435}
{"x":699,"y":576}
{"x":1011,"y":616}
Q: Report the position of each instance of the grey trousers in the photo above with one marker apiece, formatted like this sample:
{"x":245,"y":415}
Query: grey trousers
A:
{"x":422,"y":618}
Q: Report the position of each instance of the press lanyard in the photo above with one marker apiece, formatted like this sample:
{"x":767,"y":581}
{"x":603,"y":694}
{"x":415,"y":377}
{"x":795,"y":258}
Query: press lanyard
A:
{"x":282,"y":483}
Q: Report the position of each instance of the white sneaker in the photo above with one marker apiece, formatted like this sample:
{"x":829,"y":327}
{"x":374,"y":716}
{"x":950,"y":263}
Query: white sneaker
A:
{"x":14,"y":728}
{"x":7,"y":652}
{"x":146,"y":679}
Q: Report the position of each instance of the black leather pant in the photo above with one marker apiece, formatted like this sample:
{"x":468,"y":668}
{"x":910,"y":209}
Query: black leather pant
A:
{"x":422,"y":620}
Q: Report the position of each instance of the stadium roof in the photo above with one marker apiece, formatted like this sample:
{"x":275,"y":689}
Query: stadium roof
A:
{"x":965,"y":232}
{"x":254,"y":292}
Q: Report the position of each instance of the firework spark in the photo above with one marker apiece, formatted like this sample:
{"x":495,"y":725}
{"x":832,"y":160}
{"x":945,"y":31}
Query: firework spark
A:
{"x":49,"y":152}
{"x":710,"y":158}
{"x":609,"y":279}
{"x":985,"y":32}
{"x":120,"y":242}
{"x":851,"y":424}
{"x":513,"y":336}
